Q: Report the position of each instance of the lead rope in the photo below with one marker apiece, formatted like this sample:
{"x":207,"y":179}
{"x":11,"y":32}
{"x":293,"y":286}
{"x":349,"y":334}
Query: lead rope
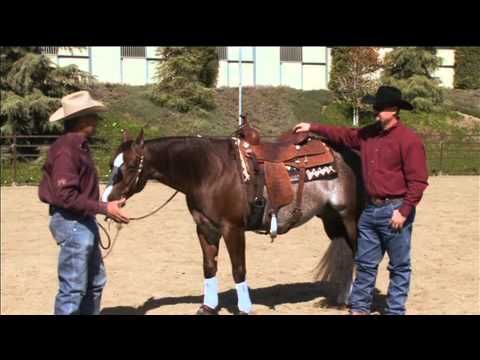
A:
{"x":110,"y":243}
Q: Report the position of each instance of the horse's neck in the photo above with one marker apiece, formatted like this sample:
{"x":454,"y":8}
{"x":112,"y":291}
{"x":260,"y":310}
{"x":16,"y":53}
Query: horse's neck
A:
{"x":181,"y":163}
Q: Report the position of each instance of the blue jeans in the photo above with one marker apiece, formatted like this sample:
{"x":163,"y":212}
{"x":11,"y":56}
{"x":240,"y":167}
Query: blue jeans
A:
{"x":375,"y":236}
{"x":81,"y":272}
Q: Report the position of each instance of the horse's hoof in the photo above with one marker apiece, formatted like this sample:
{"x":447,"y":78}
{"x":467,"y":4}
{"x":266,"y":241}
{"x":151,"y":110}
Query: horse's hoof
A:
{"x":323,"y":303}
{"x":206,"y":310}
{"x":242,"y":313}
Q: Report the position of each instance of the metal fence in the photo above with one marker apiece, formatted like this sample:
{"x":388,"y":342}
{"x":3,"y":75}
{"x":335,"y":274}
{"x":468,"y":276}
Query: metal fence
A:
{"x":22,"y":157}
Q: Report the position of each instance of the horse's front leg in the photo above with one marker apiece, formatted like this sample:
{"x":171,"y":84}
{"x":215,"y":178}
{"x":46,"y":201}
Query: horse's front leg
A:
{"x":209,"y":242}
{"x":234,"y":237}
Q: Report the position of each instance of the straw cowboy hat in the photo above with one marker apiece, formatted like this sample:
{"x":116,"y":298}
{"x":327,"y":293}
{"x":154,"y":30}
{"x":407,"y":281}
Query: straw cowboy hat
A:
{"x":77,"y":104}
{"x":387,"y":96}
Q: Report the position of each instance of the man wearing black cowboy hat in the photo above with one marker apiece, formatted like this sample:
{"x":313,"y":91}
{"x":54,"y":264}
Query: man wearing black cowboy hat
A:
{"x":395,"y":173}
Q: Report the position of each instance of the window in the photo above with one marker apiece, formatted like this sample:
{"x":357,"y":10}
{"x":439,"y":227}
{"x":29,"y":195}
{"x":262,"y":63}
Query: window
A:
{"x":222,"y":53}
{"x":133,"y":51}
{"x":290,"y":53}
{"x":50,"y":50}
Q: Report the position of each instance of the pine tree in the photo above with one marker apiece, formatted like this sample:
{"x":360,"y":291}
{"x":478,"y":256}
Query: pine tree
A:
{"x":352,"y":76}
{"x":410,"y":69}
{"x":31,"y":88}
{"x":186,"y":76}
{"x":467,"y":67}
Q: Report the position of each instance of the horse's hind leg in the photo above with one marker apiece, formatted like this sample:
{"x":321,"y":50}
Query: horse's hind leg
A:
{"x":234,"y":237}
{"x":336,"y":266}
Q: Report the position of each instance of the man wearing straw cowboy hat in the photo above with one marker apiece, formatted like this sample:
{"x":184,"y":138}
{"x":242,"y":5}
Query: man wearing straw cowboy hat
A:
{"x":70,"y":186}
{"x":395,"y":175}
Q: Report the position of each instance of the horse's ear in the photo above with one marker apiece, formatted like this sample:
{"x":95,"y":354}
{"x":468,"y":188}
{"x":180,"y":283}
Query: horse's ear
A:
{"x":126,"y":137}
{"x":140,"y":139}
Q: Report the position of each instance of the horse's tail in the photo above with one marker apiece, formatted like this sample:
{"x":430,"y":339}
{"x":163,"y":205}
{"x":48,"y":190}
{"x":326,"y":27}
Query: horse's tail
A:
{"x":336,"y":266}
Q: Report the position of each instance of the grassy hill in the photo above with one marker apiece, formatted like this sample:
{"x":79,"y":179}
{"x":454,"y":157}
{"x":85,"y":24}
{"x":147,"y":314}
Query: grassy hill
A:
{"x":273,"y":110}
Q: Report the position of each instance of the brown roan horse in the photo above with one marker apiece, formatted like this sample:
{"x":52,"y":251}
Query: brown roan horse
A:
{"x":208,"y":172}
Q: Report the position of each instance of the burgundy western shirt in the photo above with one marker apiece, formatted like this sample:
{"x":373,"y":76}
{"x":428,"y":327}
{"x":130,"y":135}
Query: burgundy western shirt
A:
{"x":393,"y":161}
{"x":70,"y":178}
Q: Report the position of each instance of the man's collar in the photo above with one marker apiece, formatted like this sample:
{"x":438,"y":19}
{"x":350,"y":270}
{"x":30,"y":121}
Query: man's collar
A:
{"x":78,"y":138}
{"x":397,"y":124}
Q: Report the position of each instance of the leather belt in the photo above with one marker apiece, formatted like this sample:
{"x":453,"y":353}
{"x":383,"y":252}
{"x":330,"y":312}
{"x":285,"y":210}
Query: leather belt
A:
{"x":387,"y":200}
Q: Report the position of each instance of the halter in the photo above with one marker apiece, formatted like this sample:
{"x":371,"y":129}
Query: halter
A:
{"x":139,"y":171}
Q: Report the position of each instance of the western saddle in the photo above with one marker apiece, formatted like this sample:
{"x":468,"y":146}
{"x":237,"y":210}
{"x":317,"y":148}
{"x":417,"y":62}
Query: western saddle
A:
{"x":270,"y":162}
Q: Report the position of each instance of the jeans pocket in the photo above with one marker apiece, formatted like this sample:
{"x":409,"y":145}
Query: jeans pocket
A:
{"x":61,"y":229}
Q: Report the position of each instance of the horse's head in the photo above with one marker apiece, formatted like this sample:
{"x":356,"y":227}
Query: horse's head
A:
{"x":127,"y":166}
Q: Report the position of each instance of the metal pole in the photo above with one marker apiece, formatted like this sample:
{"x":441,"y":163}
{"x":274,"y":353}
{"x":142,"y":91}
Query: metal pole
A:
{"x":441,"y":158}
{"x":14,"y":154}
{"x":240,"y":107}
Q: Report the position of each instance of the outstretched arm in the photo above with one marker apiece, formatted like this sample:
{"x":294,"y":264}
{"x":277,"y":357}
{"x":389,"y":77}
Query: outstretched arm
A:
{"x":337,"y":134}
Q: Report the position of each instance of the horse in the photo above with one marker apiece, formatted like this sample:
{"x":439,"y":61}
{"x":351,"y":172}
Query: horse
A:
{"x":207,"y":171}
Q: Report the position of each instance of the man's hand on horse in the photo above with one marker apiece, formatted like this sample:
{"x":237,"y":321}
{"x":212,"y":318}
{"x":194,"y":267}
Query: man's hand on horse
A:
{"x":114,"y":211}
{"x":397,"y":220}
{"x":301,"y":127}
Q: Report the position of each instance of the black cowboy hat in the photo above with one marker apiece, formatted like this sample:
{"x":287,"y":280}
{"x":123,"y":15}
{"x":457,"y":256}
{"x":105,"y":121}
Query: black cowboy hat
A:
{"x":387,"y":96}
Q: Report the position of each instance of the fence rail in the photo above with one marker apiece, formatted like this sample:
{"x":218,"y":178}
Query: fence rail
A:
{"x":23,"y":156}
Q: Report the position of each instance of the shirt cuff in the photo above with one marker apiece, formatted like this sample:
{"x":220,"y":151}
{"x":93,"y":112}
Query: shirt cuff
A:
{"x":405,"y":210}
{"x":102,"y":208}
{"x":316,"y":127}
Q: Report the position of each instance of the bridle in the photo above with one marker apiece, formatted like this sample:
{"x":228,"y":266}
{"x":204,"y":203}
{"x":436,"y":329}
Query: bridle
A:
{"x":133,"y":181}
{"x":139,"y":170}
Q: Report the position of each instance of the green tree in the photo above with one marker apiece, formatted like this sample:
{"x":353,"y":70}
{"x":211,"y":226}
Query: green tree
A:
{"x":353,"y":76}
{"x":186,"y":76}
{"x":467,"y":68}
{"x":31,"y":87}
{"x":411,"y":70}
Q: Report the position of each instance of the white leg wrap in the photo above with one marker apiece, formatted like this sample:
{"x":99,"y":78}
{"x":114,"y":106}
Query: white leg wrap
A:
{"x":244,"y":302}
{"x":210,"y":297}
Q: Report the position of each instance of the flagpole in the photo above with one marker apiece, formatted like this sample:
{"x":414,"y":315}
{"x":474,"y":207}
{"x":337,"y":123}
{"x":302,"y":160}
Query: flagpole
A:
{"x":240,"y":105}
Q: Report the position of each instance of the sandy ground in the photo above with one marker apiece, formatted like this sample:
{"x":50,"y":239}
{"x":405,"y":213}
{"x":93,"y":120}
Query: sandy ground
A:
{"x":156,"y":264}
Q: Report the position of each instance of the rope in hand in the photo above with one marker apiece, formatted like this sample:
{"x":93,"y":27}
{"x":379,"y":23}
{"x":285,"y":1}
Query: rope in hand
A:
{"x":110,"y":243}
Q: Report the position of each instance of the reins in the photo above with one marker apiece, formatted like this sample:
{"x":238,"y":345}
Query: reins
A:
{"x":110,"y":243}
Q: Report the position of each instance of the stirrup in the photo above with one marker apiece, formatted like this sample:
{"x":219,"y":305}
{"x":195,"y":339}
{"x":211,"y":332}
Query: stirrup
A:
{"x":273,"y":227}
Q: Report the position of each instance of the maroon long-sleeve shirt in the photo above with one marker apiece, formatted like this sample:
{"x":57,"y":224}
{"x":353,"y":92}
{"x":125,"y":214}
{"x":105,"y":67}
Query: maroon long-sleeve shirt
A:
{"x":70,"y":179}
{"x":393,"y":161}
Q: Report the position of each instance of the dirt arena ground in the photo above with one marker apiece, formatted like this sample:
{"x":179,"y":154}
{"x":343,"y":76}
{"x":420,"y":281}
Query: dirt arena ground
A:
{"x":156,"y":264}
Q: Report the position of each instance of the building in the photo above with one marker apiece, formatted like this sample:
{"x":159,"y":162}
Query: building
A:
{"x":306,"y":67}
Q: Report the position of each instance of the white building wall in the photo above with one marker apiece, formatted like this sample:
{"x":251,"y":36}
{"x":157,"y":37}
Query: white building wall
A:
{"x":134,"y":71}
{"x":234,"y":53}
{"x":314,"y":54}
{"x":106,"y":63}
{"x":447,"y":56}
{"x":329,"y":64}
{"x":262,"y":66}
{"x":229,"y":69}
{"x":152,"y":68}
{"x":247,"y":74}
{"x":291,"y":74}
{"x":151,"y":52}
{"x":267,"y":65}
{"x":222,"y":79}
{"x":314,"y":77}
{"x":445,"y":75}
